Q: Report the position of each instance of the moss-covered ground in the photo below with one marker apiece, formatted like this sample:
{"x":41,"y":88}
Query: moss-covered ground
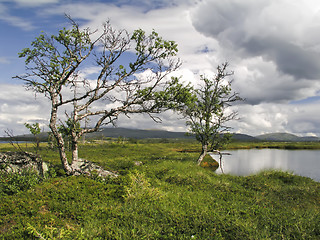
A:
{"x":167,"y":197}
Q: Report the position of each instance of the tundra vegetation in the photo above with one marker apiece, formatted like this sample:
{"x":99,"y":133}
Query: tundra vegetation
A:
{"x":165,"y":196}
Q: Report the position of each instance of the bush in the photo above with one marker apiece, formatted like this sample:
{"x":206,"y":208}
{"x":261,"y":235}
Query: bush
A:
{"x":52,"y":232}
{"x":139,"y":188}
{"x":209,"y":165}
{"x":12,"y":183}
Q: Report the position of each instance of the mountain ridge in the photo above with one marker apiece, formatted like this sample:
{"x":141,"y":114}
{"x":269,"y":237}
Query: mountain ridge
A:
{"x":285,"y":137}
{"x":116,"y":132}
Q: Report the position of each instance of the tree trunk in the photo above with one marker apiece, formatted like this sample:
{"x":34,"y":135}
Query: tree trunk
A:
{"x":203,"y":153}
{"x":59,"y":138}
{"x":76,"y":162}
{"x":74,"y":148}
{"x":62,"y":150}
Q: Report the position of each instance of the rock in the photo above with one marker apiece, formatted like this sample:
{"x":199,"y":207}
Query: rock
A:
{"x":83,"y":166}
{"x":20,"y":161}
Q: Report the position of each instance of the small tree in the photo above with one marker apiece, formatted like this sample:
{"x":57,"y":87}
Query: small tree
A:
{"x":35,"y":131}
{"x":54,"y":65}
{"x":207,"y":113}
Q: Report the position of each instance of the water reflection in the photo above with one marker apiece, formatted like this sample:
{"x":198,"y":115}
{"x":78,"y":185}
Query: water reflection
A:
{"x":245,"y":162}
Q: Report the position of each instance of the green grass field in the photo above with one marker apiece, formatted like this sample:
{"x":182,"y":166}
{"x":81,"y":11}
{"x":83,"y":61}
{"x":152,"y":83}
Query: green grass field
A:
{"x":167,"y":197}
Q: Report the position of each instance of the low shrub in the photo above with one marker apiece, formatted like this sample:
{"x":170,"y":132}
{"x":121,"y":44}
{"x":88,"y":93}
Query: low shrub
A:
{"x":12,"y":183}
{"x":140,"y":189}
{"x":210,"y":165}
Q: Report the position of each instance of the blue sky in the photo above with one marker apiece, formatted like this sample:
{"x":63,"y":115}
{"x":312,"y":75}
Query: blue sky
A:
{"x":273,"y":47}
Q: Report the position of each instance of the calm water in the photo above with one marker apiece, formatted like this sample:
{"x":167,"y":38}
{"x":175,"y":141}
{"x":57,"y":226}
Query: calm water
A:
{"x":245,"y":162}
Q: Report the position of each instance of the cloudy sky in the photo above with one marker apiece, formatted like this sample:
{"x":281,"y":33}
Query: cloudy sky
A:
{"x":273,"y":47}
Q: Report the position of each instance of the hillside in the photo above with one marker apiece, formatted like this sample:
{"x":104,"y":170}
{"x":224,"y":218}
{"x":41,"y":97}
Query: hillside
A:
{"x":285,"y":137}
{"x":131,"y":133}
{"x":143,"y":134}
{"x":244,"y":138}
{"x":112,"y":133}
{"x":136,"y":133}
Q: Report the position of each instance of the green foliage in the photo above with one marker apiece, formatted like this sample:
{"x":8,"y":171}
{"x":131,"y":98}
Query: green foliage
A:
{"x":140,"y":189}
{"x":57,"y":65}
{"x":174,"y":95}
{"x":53,"y":233}
{"x":13,"y":183}
{"x":69,"y":127}
{"x":153,"y":45}
{"x":35,"y":131}
{"x":34,"y":128}
{"x":206,"y":114}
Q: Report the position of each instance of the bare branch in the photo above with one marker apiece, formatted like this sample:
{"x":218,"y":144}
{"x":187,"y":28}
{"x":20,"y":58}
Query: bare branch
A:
{"x":12,"y":140}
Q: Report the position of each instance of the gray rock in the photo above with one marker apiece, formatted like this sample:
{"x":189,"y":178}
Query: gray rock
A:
{"x":20,"y":161}
{"x":83,"y":166}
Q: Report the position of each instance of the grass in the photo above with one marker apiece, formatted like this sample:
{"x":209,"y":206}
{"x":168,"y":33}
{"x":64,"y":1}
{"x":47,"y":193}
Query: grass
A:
{"x":167,"y":197}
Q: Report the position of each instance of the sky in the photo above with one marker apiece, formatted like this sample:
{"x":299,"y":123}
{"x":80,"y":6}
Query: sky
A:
{"x":273,"y":47}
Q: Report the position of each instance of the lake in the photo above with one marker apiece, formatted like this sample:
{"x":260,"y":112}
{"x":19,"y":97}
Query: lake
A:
{"x":245,"y":162}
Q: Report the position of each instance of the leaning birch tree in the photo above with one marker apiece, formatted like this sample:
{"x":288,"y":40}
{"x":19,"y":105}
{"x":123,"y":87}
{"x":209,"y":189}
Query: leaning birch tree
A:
{"x":55,"y":66}
{"x":207,"y":114}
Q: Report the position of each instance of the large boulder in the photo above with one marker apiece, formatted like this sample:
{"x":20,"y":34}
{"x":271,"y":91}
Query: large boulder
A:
{"x":21,"y":161}
{"x":86,"y":167}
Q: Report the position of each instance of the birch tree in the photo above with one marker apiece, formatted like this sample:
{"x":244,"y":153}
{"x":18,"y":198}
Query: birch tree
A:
{"x":208,"y":113}
{"x":55,"y":67}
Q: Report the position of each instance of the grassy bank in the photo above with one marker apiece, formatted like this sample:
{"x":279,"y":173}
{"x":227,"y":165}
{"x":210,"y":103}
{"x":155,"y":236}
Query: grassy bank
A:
{"x":167,"y":197}
{"x":278,"y":145}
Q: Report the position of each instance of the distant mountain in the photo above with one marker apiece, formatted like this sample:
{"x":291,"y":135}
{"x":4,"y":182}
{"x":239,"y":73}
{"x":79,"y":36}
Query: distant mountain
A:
{"x":244,"y":138}
{"x":136,"y":133}
{"x":309,"y":139}
{"x":111,"y":133}
{"x":43,"y":137}
{"x":285,"y":137}
{"x":141,"y":134}
{"x":130,"y":133}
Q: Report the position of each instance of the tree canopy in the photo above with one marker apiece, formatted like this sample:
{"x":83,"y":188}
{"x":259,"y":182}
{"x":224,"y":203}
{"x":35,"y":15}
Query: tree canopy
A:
{"x":56,"y":65}
{"x":207,"y":112}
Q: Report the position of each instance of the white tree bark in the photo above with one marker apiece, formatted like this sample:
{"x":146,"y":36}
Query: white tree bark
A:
{"x":204,"y":152}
